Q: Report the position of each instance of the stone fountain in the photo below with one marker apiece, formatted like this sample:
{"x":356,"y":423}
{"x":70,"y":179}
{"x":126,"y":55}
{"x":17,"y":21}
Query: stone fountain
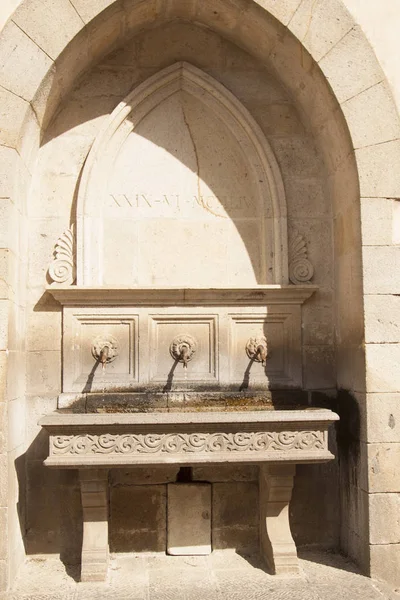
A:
{"x":182,"y":309}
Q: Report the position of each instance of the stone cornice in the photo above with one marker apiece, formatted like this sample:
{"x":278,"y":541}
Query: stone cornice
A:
{"x":171,"y":296}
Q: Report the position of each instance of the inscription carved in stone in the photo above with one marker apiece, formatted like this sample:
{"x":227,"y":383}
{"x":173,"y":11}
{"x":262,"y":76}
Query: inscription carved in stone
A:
{"x":62,"y":268}
{"x":300,"y":268}
{"x":174,"y":443}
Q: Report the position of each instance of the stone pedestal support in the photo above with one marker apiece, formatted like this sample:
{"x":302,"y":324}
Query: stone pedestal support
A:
{"x":277,"y":545}
{"x":94,"y":486}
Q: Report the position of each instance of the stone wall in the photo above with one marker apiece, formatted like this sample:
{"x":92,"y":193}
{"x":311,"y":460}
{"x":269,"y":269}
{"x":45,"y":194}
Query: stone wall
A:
{"x":338,"y":44}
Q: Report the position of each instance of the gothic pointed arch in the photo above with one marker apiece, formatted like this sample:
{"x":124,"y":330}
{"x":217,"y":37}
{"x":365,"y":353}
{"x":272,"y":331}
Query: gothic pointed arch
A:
{"x":260,"y":164}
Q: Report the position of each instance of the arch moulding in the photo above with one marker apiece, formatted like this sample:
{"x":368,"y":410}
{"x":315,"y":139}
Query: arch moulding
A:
{"x":126,"y":117}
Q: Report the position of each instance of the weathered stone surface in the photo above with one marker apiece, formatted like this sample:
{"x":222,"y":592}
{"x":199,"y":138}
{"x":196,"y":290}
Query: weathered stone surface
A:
{"x":383,"y":418}
{"x":51,"y":28}
{"x":378,"y":179}
{"x":381,"y":363}
{"x":138,"y":518}
{"x":283,"y":10}
{"x":320,"y":367}
{"x":319,"y":26}
{"x":15,"y":75}
{"x":384,"y":510}
{"x":349,"y":78}
{"x":385,"y":563}
{"x":88,"y":9}
{"x":379,"y":474}
{"x":277,"y":545}
{"x":292,"y":118}
{"x":144,"y":476}
{"x":378,"y":221}
{"x":189,"y":519}
{"x":94,"y":493}
{"x":220,"y":473}
{"x":382,"y":318}
{"x":235,"y":516}
{"x":383,"y":127}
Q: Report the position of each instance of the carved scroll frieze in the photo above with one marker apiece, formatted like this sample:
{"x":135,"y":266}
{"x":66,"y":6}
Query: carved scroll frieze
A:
{"x":62,"y":268}
{"x":194,"y":443}
{"x":300,"y":268}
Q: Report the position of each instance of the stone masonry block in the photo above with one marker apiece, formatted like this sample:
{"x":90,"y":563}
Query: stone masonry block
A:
{"x":235,"y":516}
{"x":43,"y":372}
{"x":4,"y":536}
{"x":9,"y":241}
{"x":379,"y":170}
{"x":382,"y":361}
{"x":372,"y":116}
{"x":219,"y":473}
{"x":385,"y":563}
{"x":8,"y":160}
{"x":189,"y":519}
{"x":319,"y":367}
{"x":283,"y":10}
{"x":108,"y":29}
{"x":350,"y":77}
{"x":44,"y":330}
{"x":383,"y":418}
{"x":138,"y":518}
{"x":50,"y":24}
{"x":320,"y":25}
{"x":89,"y":9}
{"x":377,"y":221}
{"x":381,"y":265}
{"x":178,"y":41}
{"x":384,"y":522}
{"x":5,"y":306}
{"x":382,"y":319}
{"x":12,"y":115}
{"x":379,"y":473}
{"x":16,"y":423}
{"x":23,"y":64}
{"x":3,"y":575}
{"x":143,"y":476}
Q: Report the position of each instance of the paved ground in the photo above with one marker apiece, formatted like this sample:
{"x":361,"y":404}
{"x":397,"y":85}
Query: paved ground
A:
{"x":222,"y":575}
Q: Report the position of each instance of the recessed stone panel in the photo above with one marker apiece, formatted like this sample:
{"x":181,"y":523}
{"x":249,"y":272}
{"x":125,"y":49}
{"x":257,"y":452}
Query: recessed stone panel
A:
{"x":169,"y":334}
{"x":89,"y":334}
{"x":189,"y":519}
{"x":281,"y":332}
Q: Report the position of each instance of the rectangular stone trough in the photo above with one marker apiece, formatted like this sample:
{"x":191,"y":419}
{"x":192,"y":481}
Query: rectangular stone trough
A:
{"x":114,"y":440}
{"x":275,"y":439}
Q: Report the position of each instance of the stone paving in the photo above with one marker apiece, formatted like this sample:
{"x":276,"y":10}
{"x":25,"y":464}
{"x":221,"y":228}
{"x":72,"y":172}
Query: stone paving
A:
{"x":222,"y":575}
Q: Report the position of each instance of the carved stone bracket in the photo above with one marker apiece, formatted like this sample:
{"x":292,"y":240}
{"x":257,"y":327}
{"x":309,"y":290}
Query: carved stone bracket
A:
{"x":277,"y":544}
{"x":62,"y":268}
{"x":300,"y":268}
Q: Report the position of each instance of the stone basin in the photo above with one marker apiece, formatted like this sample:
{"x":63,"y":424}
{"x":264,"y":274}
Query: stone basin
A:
{"x":275,"y":439}
{"x":112,"y":440}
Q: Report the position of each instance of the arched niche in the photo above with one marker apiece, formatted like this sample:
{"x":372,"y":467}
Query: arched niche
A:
{"x":180,"y":163}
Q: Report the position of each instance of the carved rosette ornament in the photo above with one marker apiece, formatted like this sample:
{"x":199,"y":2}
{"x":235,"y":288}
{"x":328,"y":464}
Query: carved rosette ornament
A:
{"x":300,"y":268}
{"x":62,"y":269}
